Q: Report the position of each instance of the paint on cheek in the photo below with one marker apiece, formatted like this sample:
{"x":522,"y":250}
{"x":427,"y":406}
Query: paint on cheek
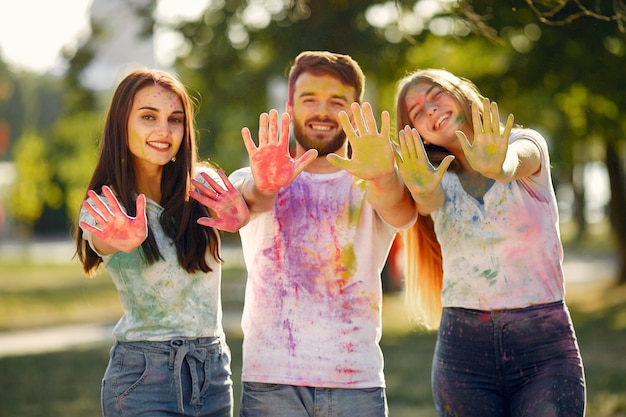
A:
{"x":136,"y":144}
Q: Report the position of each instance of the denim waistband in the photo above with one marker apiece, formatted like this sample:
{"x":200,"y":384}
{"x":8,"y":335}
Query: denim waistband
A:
{"x":555,"y":305}
{"x":167,"y":346}
{"x":179,"y":350}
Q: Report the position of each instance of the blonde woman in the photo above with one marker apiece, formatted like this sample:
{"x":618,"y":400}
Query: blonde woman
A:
{"x":485,"y":257}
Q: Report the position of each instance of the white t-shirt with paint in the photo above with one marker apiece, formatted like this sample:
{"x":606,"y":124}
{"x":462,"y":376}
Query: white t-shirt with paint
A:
{"x":163,"y":301}
{"x":312,"y":313}
{"x":505,"y":252}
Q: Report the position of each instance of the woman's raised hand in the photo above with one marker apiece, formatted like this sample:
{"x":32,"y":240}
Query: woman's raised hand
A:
{"x":418,"y":174}
{"x":486,"y":154}
{"x":113,"y":226}
{"x":231,"y":211}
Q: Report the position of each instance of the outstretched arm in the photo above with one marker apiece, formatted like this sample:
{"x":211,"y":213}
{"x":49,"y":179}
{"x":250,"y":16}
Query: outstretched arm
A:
{"x":115,"y":231}
{"x":271,"y":164}
{"x":372,"y":160}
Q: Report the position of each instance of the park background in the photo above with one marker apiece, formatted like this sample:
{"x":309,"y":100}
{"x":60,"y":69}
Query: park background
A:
{"x":557,"y":65}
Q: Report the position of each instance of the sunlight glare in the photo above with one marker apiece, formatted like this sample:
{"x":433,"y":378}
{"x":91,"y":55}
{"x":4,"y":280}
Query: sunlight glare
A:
{"x":33,"y":32}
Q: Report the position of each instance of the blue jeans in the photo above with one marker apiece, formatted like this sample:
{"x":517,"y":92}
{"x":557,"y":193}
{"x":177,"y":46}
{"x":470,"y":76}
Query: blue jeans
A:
{"x":276,"y":400}
{"x":185,"y":377}
{"x":513,"y":363}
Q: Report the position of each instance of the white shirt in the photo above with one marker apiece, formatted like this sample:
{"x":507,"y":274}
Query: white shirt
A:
{"x":505,"y":252}
{"x":312,"y":312}
{"x":163,"y":301}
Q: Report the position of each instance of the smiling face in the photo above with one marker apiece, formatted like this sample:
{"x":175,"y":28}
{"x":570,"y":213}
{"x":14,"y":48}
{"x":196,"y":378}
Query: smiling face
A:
{"x":317,"y":101}
{"x":156,"y":126}
{"x":435,"y":113}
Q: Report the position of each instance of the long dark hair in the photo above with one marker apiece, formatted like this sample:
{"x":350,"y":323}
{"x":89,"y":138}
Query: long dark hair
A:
{"x":115,"y":169}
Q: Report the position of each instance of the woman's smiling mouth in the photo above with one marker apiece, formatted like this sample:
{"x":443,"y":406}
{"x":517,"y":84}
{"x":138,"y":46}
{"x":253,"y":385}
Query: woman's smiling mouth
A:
{"x":441,"y":120}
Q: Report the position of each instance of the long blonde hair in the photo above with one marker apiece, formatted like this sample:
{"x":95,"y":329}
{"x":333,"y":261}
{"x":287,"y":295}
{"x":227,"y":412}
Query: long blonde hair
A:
{"x":423,"y":261}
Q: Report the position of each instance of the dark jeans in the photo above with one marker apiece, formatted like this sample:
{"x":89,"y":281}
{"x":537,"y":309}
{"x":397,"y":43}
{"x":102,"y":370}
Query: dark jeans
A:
{"x":513,"y":363}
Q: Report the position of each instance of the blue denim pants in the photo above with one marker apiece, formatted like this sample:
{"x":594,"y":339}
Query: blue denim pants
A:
{"x":276,"y":400}
{"x":185,"y":377}
{"x":513,"y":363}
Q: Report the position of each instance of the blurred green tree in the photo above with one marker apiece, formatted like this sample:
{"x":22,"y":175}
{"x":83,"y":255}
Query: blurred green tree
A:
{"x":32,"y":105}
{"x":10,"y":103}
{"x":554,"y":64}
{"x":75,"y":138}
{"x":33,"y":189}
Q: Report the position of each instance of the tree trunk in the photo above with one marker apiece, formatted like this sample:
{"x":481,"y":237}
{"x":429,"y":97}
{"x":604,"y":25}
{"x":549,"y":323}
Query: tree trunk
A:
{"x":580,"y":200}
{"x":617,"y":206}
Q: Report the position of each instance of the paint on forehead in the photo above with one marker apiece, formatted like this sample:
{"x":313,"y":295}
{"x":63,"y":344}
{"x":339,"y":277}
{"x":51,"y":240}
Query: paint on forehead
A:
{"x":156,"y":92}
{"x":174,"y":99}
{"x":416,"y":94}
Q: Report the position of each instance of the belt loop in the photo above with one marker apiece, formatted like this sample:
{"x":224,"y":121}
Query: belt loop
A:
{"x":170,"y":363}
{"x":175,"y":344}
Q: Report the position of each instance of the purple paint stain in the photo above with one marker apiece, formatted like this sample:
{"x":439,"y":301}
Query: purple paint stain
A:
{"x":291,"y":345}
{"x":311,"y":249}
{"x":312,"y":241}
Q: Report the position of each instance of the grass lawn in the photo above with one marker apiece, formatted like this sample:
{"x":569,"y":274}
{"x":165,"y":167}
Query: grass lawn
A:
{"x":68,"y":383}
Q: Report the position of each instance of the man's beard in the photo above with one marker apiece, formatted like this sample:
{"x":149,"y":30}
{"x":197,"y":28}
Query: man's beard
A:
{"x":324,"y":147}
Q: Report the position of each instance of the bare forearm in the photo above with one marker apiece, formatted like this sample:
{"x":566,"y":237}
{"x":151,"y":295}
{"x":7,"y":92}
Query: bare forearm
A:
{"x":522,"y":160}
{"x":428,"y":202}
{"x":391,"y":199}
{"x":258,"y":202}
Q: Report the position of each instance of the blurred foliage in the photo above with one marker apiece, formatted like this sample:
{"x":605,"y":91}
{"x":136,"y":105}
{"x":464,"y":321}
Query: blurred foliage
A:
{"x":11,"y":115}
{"x":76,"y":140}
{"x":33,"y":189}
{"x":553,"y":64}
{"x":27,"y":102}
